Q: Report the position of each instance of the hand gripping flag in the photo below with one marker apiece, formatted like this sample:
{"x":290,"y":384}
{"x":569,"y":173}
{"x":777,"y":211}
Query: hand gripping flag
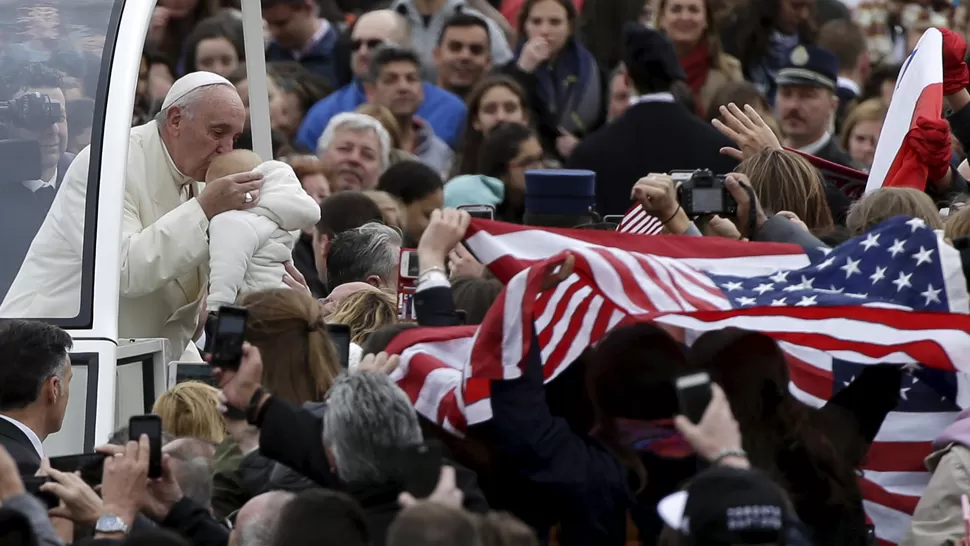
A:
{"x":896,"y":295}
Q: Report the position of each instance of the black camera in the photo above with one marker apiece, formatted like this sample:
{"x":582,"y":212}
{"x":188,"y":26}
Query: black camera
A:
{"x":33,"y":111}
{"x":702,"y":192}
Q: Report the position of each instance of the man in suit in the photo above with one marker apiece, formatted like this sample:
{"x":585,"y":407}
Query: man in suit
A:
{"x":35,"y":380}
{"x":41,"y":123}
{"x":806,"y":102}
{"x":846,"y":40}
{"x":164,"y":241}
{"x":655,"y":135}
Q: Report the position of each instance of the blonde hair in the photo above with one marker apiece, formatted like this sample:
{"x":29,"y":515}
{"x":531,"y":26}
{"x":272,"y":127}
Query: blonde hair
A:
{"x":365,"y":312}
{"x":784,"y":180}
{"x":884,"y":203}
{"x":236,"y":161}
{"x":288,"y":328}
{"x":191,"y":409}
{"x":870,"y":110}
{"x":957,"y":223}
{"x":388,"y":205}
{"x":386,"y":118}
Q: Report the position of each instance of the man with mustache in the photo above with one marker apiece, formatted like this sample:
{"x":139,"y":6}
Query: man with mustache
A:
{"x":394,"y":82}
{"x":806,"y":102}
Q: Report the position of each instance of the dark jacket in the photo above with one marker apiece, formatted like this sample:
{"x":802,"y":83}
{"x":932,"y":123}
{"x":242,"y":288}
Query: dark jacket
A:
{"x":303,"y":260}
{"x":651,"y":137}
{"x":19,"y":447}
{"x":319,"y":58}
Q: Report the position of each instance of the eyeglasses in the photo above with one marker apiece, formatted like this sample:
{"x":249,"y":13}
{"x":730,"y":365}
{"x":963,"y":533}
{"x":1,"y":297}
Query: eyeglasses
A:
{"x":474,"y":49}
{"x":372,"y":43}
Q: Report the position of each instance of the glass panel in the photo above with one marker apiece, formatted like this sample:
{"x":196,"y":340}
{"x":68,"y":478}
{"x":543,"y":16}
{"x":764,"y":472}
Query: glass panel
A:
{"x":54,"y":63}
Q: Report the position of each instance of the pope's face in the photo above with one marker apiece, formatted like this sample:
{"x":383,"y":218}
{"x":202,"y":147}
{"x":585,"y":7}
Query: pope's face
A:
{"x":209,"y":127}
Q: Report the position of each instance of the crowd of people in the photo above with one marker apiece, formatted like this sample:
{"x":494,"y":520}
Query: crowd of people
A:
{"x":390,"y":121}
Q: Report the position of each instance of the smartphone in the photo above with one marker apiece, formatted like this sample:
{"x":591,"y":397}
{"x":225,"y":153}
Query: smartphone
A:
{"x":151,"y":426}
{"x":340,"y":335}
{"x":694,"y":395}
{"x":32,"y":485}
{"x":485,"y":212}
{"x":410,"y":269}
{"x":422,"y":465}
{"x":89,"y":465}
{"x":227,"y":340}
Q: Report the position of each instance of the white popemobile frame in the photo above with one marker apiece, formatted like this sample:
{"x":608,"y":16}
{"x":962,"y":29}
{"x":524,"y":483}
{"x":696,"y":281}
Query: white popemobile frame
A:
{"x":114,"y":378}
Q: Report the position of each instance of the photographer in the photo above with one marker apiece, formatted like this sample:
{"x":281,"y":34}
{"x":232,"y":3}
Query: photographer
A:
{"x":32,"y":124}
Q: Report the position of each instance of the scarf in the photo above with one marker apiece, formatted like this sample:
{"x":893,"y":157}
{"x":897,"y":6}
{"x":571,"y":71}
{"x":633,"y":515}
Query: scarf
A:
{"x":696,"y":65}
{"x":658,"y":437}
{"x":570,"y":87}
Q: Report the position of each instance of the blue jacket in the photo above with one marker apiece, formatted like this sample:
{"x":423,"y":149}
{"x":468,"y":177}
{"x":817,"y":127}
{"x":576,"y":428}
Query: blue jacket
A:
{"x":444,"y":111}
{"x":319,"y":60}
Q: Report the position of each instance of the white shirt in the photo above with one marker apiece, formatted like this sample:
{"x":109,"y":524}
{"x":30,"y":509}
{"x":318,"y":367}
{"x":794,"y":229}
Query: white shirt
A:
{"x":813,"y":148}
{"x":849,"y":84}
{"x":34,"y":185}
{"x":653,"y":97}
{"x":31,"y":435}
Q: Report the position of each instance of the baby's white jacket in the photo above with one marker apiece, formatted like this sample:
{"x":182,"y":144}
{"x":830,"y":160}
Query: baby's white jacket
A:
{"x":247,"y":248}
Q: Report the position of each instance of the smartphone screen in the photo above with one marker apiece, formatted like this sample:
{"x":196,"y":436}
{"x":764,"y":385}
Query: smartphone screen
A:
{"x":694,"y":395}
{"x":422,"y":464}
{"x":89,"y":465}
{"x":340,"y":335}
{"x":151,"y":426}
{"x":485,"y":212}
{"x":228,"y":338}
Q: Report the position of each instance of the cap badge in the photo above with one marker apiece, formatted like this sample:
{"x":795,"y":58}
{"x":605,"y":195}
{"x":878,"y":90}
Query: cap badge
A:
{"x":799,"y":56}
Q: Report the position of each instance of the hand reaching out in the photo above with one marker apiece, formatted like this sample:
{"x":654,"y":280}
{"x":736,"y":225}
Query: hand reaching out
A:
{"x":717,"y":430}
{"x":446,"y":492}
{"x":747,"y":130}
{"x":380,"y":363}
{"x":445,"y":230}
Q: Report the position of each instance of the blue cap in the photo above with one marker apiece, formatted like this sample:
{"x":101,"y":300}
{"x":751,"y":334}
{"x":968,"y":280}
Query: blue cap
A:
{"x":809,"y":65}
{"x":560,"y":191}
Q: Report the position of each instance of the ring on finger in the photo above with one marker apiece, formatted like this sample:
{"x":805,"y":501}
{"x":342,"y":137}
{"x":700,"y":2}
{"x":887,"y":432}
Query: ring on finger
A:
{"x":248,"y":197}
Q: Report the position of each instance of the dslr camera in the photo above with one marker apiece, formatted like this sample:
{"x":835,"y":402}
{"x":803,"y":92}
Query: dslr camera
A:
{"x":33,"y":111}
{"x":702,"y":192}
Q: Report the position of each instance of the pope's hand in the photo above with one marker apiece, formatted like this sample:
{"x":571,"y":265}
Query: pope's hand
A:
{"x":238,"y":191}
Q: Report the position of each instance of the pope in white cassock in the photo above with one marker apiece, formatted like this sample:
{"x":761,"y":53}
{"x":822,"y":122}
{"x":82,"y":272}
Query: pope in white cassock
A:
{"x":164,"y":244}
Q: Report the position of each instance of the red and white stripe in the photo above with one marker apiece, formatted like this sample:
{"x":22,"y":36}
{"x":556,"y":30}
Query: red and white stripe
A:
{"x":638,"y":222}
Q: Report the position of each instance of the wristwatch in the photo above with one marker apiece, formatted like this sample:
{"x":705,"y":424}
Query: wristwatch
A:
{"x":110,"y":523}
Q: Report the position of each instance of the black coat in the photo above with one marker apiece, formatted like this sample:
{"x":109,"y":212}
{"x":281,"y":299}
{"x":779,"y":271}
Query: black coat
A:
{"x":21,"y":450}
{"x":651,"y":137}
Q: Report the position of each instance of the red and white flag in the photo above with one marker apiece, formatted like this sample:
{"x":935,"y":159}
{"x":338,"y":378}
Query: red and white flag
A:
{"x":918,"y":96}
{"x":825,"y":309}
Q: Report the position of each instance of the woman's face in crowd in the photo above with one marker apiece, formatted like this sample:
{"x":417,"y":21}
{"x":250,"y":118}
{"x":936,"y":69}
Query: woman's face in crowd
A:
{"x":862,"y":141}
{"x":684,"y":21}
{"x":548,"y":20}
{"x":529,"y":158}
{"x":793,"y":14}
{"x":499,"y":104}
{"x":419,"y":213}
{"x":216,"y":55}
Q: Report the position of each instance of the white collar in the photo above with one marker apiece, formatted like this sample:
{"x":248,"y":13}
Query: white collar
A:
{"x":813,"y":148}
{"x":653,"y":97}
{"x":34,"y":185}
{"x":31,"y":435}
{"x":849,"y":84}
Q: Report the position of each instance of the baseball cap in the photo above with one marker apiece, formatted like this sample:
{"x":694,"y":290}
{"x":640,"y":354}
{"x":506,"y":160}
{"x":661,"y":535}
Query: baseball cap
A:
{"x":190,"y":82}
{"x":728,"y":506}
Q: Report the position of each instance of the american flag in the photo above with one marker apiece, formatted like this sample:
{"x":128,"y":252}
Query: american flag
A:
{"x":882,"y":297}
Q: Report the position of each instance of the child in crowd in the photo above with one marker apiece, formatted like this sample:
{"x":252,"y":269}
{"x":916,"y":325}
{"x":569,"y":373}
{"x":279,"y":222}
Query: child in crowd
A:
{"x":248,"y":248}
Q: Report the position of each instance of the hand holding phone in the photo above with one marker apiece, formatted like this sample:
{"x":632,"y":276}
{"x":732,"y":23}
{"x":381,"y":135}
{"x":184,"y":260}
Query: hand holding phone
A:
{"x":151,"y":426}
{"x":32,"y":485}
{"x":227,"y":340}
{"x":89,"y":465}
{"x":340,"y":336}
{"x":694,"y":395}
{"x":422,"y":468}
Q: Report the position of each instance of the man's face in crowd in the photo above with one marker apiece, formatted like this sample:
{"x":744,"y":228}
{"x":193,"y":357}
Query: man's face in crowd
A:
{"x":793,"y":14}
{"x":207,"y":129}
{"x":355,"y":158}
{"x":619,"y":96}
{"x":59,"y":394}
{"x":398,"y":88}
{"x":463,"y":56}
{"x":371,"y":31}
{"x":289,"y":24}
{"x":53,"y":138}
{"x":804,"y":111}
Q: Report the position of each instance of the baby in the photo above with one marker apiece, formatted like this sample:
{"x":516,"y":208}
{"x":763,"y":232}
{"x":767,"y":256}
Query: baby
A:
{"x":248,"y":248}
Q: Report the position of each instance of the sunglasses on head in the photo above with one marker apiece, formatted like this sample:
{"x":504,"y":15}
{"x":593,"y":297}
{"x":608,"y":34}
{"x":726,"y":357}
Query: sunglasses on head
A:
{"x":372,"y":43}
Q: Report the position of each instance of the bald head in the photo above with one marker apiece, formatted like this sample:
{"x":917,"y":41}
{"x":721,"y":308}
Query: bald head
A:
{"x":257,"y":519}
{"x":376,"y":27}
{"x":200,"y":125}
{"x":236,"y":161}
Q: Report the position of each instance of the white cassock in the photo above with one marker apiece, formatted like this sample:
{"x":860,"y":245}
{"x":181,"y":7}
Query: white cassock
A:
{"x":164,"y":250}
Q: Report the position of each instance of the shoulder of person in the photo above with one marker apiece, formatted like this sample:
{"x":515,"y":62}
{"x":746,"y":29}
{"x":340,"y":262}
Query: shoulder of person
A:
{"x":731,"y":67}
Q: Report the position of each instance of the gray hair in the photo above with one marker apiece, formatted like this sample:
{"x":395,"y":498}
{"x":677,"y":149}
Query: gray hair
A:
{"x":356,"y":122}
{"x":186,"y":103}
{"x":356,"y":254}
{"x":261,"y":530}
{"x":369,"y":420}
{"x":194,"y":476}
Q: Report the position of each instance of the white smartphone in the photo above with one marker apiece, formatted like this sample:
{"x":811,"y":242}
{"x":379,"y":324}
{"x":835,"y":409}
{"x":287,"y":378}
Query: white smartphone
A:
{"x":485,"y":212}
{"x":410,"y":269}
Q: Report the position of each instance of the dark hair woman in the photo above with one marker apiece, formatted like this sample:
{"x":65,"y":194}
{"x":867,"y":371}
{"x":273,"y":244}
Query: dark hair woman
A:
{"x":215,"y":45}
{"x":495,"y":99}
{"x":568,"y":92}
